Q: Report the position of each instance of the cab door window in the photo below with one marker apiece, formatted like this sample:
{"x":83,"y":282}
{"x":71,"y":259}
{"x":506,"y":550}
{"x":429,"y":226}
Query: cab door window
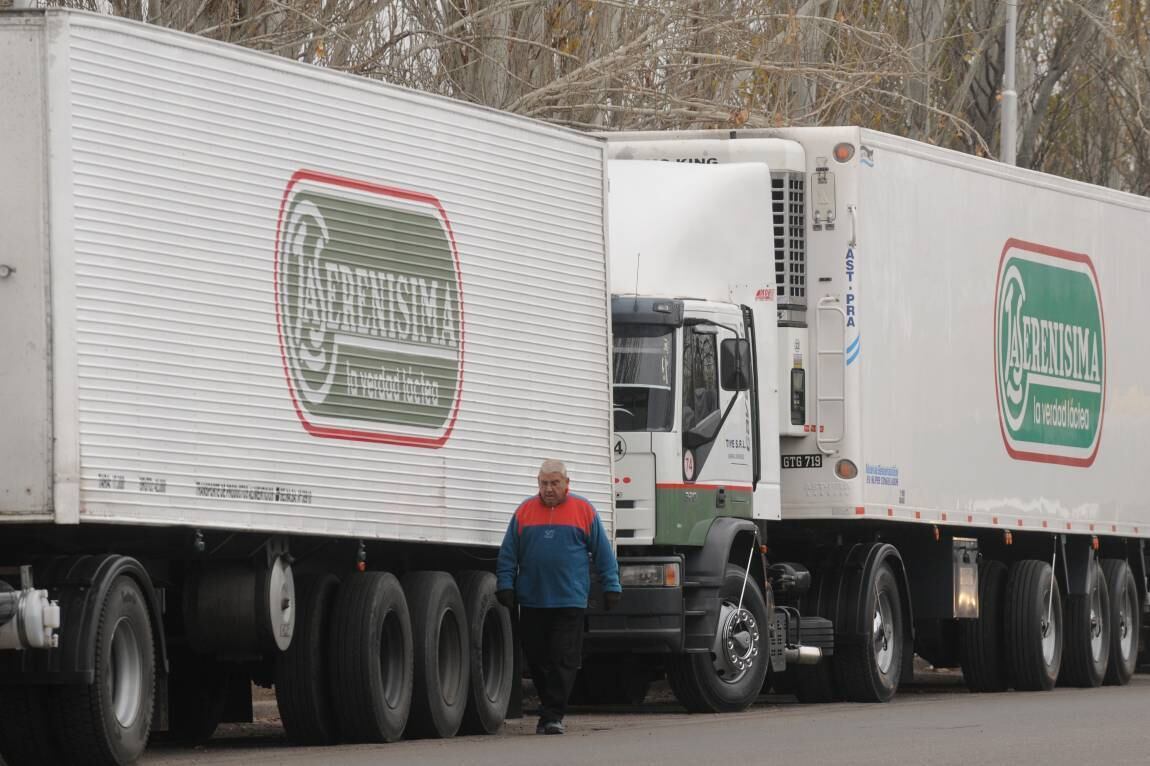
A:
{"x":700,"y":376}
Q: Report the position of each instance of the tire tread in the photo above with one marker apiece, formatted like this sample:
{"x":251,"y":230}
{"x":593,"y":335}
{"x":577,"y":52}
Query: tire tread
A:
{"x":854,"y":674}
{"x":360,"y":603}
{"x":478,"y":591}
{"x":983,"y":644}
{"x":426,"y":592}
{"x":302,"y":692}
{"x":77,"y":712}
{"x":1117,"y":672}
{"x":1023,"y":634}
{"x":1078,"y":666}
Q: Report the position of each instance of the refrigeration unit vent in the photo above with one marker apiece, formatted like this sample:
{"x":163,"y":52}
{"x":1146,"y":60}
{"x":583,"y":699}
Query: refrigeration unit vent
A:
{"x":788,"y":211}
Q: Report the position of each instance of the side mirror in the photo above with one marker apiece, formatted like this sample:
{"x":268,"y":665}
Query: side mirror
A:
{"x":735,"y":364}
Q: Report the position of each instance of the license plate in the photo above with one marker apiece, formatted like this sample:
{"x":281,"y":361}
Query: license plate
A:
{"x":802,"y":461}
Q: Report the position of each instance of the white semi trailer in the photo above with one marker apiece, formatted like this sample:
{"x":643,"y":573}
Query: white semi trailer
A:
{"x":938,"y":442}
{"x":284,"y":348}
{"x":264,"y":325}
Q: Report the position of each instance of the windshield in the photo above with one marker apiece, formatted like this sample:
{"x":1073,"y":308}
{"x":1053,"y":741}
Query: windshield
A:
{"x":644,"y":369}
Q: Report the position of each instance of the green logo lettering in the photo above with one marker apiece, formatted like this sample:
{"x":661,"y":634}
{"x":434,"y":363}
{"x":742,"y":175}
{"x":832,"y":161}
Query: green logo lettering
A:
{"x":370,"y":311}
{"x":1050,"y":354}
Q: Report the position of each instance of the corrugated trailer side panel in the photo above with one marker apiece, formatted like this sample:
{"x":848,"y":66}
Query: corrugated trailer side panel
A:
{"x":25,"y":427}
{"x":245,"y":358}
{"x":969,"y":416}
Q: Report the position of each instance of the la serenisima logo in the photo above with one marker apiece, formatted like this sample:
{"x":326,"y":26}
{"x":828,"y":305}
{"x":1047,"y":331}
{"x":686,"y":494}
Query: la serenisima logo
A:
{"x":370,"y":307}
{"x":1050,"y":354}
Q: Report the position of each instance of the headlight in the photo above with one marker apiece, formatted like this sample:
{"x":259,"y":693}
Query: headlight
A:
{"x":649,"y":575}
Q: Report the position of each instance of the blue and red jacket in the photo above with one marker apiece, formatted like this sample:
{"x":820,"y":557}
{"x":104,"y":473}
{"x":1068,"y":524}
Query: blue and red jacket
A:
{"x":544,"y":554}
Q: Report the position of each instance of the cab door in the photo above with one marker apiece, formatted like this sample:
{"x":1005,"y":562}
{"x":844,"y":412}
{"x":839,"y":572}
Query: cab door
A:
{"x":716,"y":422}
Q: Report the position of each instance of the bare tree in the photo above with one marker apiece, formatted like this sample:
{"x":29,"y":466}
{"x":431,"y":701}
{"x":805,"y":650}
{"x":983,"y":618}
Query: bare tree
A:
{"x":930,"y":69}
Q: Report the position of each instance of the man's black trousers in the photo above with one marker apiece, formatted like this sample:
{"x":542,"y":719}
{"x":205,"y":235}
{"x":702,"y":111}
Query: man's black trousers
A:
{"x":553,"y":643}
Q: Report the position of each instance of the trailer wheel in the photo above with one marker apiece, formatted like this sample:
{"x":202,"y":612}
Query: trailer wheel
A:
{"x":197,"y":692}
{"x":982,"y":642}
{"x":1033,"y":626}
{"x":301,"y":677}
{"x":442,"y":654}
{"x":870,"y":671}
{"x":26,"y":737}
{"x":730,"y":677}
{"x":370,"y":658}
{"x":1125,"y":621}
{"x":492,"y":654}
{"x":108,"y":721}
{"x":1087,"y":635}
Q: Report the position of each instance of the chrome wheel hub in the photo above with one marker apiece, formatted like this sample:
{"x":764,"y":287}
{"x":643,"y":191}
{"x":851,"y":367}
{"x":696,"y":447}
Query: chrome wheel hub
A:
{"x":1096,"y":625}
{"x":126,"y":674}
{"x":736,"y":643}
{"x":882,"y":633}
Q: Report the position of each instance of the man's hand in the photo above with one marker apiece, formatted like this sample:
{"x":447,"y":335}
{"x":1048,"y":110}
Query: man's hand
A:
{"x":611,"y":599}
{"x":506,"y":597}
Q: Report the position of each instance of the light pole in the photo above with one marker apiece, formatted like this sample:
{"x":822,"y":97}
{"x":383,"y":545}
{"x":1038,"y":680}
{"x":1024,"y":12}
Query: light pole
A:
{"x":1009,"y":95}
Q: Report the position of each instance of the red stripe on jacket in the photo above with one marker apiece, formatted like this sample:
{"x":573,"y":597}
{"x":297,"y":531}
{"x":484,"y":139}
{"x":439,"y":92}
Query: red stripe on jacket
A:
{"x":572,"y":512}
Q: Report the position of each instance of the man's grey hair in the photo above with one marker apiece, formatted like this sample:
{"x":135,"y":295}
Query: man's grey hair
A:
{"x":553,"y":466}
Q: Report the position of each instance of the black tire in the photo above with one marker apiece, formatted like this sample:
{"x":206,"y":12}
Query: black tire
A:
{"x":983,"y":642}
{"x":26,"y":736}
{"x":1087,"y":635}
{"x":108,"y":721}
{"x":871,"y":671}
{"x":442,"y":654}
{"x":695,"y":679}
{"x":301,"y":677}
{"x":1125,"y":621}
{"x":1028,"y":588}
{"x":370,"y":670}
{"x":197,"y":693}
{"x":492,"y":654}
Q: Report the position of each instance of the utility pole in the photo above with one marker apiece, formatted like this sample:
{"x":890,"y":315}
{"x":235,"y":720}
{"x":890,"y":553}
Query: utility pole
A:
{"x":1009,"y":124}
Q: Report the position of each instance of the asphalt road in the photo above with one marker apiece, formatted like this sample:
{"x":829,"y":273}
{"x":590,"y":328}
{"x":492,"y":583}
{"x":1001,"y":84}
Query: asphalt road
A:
{"x":936,"y":723}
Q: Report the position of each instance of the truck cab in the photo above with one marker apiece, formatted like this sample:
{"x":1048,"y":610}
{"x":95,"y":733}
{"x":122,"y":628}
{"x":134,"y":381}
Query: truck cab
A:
{"x":686,"y":452}
{"x":685,"y":415}
{"x":696,"y":416}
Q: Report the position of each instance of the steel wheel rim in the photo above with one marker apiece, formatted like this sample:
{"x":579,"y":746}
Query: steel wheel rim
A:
{"x":736,"y":643}
{"x":126,"y":673}
{"x":391,"y":659}
{"x":1128,"y":641}
{"x":1096,"y":623}
{"x":450,"y":659}
{"x":1050,"y":629}
{"x":882,"y":628}
{"x":492,"y":656}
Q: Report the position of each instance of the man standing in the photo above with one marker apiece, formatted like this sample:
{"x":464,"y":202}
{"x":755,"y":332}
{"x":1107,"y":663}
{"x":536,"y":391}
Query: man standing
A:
{"x":543,"y":564}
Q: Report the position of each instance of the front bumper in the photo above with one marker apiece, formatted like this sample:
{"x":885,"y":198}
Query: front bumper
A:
{"x":647,"y":618}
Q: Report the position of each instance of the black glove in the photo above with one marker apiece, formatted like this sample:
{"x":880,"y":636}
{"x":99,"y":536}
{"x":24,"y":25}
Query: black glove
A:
{"x":506,"y":597}
{"x":611,"y":599}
